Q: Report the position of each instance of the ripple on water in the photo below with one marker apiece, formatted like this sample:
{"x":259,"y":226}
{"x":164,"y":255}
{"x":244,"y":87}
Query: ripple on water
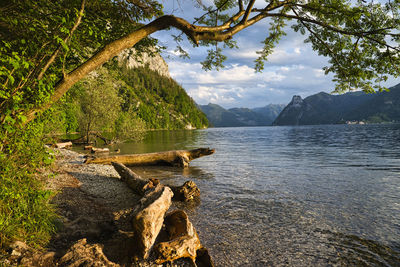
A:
{"x":294,"y":196}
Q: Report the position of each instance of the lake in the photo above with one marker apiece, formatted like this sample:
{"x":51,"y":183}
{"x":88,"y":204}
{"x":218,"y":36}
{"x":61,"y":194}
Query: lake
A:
{"x":291,"y":196}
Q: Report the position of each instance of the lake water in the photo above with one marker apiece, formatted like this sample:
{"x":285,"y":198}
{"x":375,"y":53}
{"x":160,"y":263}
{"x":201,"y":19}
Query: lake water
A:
{"x":291,"y":196}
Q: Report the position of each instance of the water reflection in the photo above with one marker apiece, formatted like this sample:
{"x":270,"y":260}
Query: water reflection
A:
{"x":291,"y":196}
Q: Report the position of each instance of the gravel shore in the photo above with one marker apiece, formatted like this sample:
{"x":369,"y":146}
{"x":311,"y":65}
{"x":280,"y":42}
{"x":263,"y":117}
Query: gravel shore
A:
{"x":95,"y":208}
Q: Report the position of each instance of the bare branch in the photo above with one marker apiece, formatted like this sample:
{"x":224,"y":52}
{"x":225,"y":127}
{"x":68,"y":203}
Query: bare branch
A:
{"x":248,"y":11}
{"x":241,"y":8}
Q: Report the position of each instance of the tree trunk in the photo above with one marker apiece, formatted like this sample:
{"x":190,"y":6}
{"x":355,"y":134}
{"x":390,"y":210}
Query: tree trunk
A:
{"x":179,"y":158}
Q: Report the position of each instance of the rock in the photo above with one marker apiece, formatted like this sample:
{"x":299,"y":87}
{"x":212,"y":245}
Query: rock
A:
{"x":84,"y":254}
{"x":186,"y":192}
{"x":153,"y":60}
{"x":149,"y":217}
{"x":184,"y":241}
{"x":45,"y":259}
{"x":18,"y":248}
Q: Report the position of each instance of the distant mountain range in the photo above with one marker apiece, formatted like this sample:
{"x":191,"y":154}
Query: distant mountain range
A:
{"x":236,"y":117}
{"x":323,"y":108}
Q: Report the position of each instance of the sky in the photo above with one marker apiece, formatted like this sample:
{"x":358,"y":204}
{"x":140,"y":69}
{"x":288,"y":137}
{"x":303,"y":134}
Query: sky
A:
{"x":293,"y":68}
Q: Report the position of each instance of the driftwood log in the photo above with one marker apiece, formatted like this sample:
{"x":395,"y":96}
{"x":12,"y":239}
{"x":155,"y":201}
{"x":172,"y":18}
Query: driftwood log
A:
{"x":180,"y":158}
{"x":99,"y":150}
{"x":183,"y":241}
{"x":186,"y":192}
{"x":149,"y":217}
{"x":63,"y":145}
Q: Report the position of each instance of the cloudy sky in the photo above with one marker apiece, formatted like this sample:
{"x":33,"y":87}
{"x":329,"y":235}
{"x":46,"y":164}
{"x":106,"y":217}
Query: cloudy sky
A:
{"x":293,"y":69}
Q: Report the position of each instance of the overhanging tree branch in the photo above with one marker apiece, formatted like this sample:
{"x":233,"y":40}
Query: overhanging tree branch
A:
{"x":236,"y":23}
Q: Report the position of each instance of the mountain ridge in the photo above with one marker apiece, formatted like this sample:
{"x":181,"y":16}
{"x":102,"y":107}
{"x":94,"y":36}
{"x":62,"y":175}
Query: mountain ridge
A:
{"x":324,"y":108}
{"x":239,"y":117}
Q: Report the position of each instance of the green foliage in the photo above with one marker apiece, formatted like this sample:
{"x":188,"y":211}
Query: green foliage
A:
{"x":157,"y":100}
{"x":99,"y":103}
{"x":31,"y":33}
{"x":25,"y":213}
{"x":119,"y":103}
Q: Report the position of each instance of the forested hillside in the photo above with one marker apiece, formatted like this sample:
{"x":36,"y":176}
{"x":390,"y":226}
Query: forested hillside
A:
{"x":115,"y":102}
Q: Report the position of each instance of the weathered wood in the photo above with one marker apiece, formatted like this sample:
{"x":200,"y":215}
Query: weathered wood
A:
{"x":184,"y":241}
{"x":63,"y":145}
{"x":134,"y":181}
{"x":186,"y":192}
{"x":149,"y":217}
{"x":179,"y":158}
{"x":99,"y":150}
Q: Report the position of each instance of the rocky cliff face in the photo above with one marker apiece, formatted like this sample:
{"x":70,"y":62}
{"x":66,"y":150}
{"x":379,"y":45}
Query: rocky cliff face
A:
{"x":293,"y":112}
{"x":154,"y":61}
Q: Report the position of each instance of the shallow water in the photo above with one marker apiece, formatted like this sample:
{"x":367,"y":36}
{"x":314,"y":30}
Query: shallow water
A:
{"x":291,"y":196}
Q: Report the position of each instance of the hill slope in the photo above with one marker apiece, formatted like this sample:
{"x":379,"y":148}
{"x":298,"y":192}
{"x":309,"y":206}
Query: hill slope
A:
{"x":118,"y":100}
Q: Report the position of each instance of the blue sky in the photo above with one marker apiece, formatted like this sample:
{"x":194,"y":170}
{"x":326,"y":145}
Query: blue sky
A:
{"x":293,"y":69}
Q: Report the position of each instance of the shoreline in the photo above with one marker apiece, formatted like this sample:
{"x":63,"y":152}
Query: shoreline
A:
{"x":95,"y":213}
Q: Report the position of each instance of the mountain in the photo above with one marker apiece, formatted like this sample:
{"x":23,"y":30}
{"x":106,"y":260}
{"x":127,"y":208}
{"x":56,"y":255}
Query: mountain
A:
{"x":220,"y":117}
{"x":237,"y":117}
{"x":270,"y":111}
{"x":323,"y":108}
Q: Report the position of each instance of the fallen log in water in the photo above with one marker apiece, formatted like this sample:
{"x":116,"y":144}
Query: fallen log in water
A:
{"x":179,"y":158}
{"x":186,"y":192}
{"x":183,"y":241}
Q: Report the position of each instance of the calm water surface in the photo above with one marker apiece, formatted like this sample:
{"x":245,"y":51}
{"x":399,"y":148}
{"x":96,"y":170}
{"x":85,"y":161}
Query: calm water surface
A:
{"x":291,"y":196}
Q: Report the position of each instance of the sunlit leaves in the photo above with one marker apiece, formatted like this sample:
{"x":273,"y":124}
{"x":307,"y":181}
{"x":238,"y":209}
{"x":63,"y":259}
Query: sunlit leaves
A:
{"x":214,"y":59}
{"x":275,"y":33}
